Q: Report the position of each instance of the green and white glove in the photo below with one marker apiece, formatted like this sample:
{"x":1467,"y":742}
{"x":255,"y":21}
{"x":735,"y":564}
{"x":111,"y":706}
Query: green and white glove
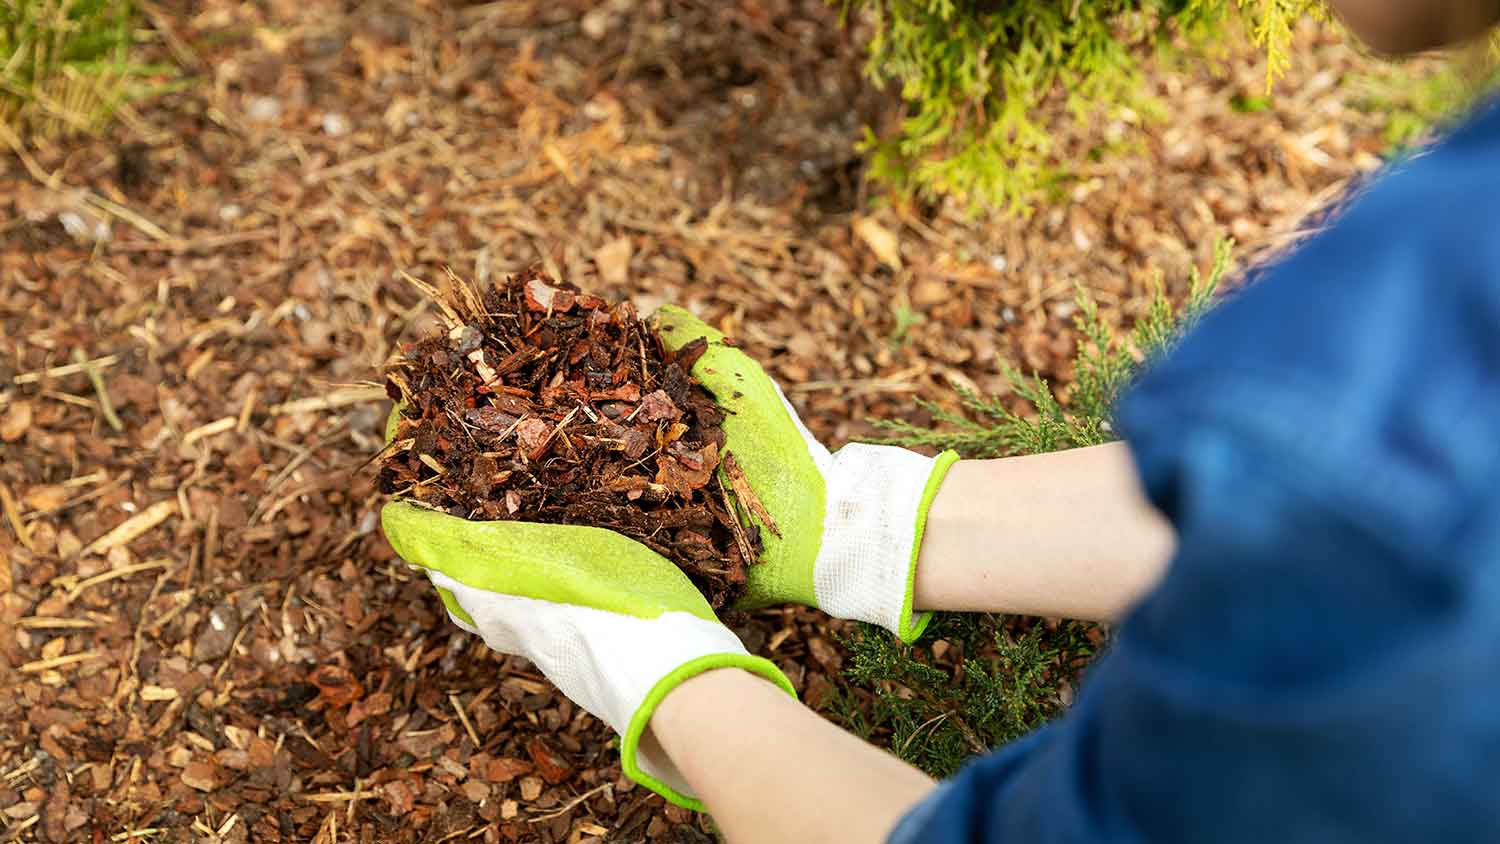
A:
{"x":611,"y":623}
{"x":848,"y":524}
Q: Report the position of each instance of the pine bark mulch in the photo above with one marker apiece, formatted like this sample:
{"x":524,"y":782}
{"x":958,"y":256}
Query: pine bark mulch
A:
{"x":542,"y":403}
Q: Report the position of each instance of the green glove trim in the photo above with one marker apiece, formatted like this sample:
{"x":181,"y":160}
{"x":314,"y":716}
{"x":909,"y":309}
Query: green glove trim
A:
{"x":766,"y":442}
{"x":565,"y":564}
{"x":642,"y":717}
{"x":454,"y":608}
{"x":911,"y":629}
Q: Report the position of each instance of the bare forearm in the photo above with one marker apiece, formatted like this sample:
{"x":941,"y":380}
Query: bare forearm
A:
{"x":770,"y":770}
{"x":1066,"y":534}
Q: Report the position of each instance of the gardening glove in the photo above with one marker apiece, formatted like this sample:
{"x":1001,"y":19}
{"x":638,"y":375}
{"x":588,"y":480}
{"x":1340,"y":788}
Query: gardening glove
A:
{"x":611,"y":623}
{"x":848,"y":525}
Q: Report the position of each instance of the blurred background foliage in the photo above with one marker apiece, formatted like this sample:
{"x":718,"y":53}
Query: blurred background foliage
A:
{"x":983,"y":84}
{"x":65,"y":65}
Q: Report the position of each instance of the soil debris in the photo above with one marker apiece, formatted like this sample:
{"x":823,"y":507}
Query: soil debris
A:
{"x":543,"y":403}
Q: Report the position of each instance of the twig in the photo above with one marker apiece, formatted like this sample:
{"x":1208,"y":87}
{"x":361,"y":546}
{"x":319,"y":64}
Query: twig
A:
{"x":38,"y":622}
{"x":16,"y":773}
{"x":244,"y":421}
{"x":218,"y":426}
{"x":110,"y":207}
{"x":735,"y":527}
{"x":15,"y":831}
{"x":354,"y":165}
{"x":113,"y":574}
{"x":206,"y":243}
{"x":542,"y":449}
{"x":65,"y":369}
{"x":13,"y":515}
{"x":337,"y":796}
{"x":130,"y":677}
{"x":53,"y":182}
{"x":464,"y":719}
{"x":341,"y":397}
{"x":106,"y":406}
{"x":132,"y":527}
{"x":143,"y":832}
{"x":41,"y":665}
{"x":568,"y":806}
{"x":746,"y":494}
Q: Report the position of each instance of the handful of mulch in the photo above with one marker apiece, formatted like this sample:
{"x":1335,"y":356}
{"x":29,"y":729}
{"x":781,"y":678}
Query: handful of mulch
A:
{"x":542,"y":403}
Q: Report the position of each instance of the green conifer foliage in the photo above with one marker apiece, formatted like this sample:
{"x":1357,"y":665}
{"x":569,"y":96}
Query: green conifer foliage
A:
{"x":975,"y":74}
{"x":976,"y":681}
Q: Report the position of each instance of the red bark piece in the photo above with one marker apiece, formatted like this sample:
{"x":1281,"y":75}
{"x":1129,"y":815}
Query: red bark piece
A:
{"x":400,"y":797}
{"x":541,"y":296}
{"x":690,"y":352}
{"x":505,"y":770}
{"x":625,"y":392}
{"x":549,"y":764}
{"x":376,"y":704}
{"x":336,"y":685}
{"x":656,"y":407}
{"x":204,"y":776}
{"x":489,"y":418}
{"x":532,"y":433}
{"x":690,"y":470}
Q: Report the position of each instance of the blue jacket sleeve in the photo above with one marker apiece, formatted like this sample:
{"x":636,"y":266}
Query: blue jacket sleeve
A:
{"x":1322,"y":660}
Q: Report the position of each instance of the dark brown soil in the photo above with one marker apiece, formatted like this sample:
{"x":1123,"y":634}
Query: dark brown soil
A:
{"x":542,"y":403}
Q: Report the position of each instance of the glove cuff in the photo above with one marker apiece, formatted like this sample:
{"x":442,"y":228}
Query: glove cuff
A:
{"x":878,"y":499}
{"x":663,"y":778}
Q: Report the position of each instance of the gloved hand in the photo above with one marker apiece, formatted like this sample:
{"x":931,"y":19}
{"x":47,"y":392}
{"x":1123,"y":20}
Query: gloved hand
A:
{"x":848,"y":524}
{"x":611,"y":623}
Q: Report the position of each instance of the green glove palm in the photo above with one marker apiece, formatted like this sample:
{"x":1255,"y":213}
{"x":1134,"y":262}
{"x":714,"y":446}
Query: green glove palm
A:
{"x":611,"y":623}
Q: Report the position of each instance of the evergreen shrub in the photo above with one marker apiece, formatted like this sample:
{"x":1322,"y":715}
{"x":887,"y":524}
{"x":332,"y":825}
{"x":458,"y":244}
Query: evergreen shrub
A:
{"x":976,"y":681}
{"x":977,"y":78}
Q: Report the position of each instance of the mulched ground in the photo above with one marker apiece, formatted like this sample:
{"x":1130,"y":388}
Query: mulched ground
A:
{"x":204,"y":636}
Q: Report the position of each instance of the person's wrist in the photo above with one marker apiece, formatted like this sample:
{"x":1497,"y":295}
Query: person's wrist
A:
{"x":701,"y":692}
{"x":646,"y":752}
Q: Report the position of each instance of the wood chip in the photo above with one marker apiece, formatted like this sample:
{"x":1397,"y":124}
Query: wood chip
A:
{"x":152,"y":694}
{"x":745,"y":494}
{"x":881,"y":241}
{"x":201,"y":775}
{"x":133,"y":527}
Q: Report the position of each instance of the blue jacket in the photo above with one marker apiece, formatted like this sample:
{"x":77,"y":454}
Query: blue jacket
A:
{"x":1322,"y":661}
